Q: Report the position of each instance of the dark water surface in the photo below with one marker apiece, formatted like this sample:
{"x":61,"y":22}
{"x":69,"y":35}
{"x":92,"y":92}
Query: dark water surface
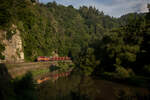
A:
{"x":76,"y":87}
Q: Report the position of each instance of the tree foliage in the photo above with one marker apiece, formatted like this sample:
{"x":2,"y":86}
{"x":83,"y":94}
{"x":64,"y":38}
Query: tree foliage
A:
{"x":85,"y":34}
{"x":2,"y":48}
{"x":87,"y":61}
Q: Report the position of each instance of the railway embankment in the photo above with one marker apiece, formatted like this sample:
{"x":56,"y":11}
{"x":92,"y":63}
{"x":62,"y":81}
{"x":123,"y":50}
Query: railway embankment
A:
{"x":41,"y":71}
{"x":53,"y":75}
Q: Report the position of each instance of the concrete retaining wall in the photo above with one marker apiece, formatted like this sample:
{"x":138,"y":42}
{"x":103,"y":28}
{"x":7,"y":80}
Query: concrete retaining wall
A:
{"x":21,"y":68}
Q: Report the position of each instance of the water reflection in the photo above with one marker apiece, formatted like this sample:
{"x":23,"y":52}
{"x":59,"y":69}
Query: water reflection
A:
{"x":76,"y":87}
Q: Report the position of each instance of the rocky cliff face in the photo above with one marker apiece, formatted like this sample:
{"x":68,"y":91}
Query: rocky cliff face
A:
{"x":13,"y":47}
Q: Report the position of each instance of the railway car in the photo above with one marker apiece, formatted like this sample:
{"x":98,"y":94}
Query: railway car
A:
{"x":44,"y":58}
{"x":67,"y":58}
{"x":40,"y":58}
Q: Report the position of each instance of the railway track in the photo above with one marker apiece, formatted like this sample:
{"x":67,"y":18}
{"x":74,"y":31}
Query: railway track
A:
{"x":29,"y":63}
{"x":16,"y":69}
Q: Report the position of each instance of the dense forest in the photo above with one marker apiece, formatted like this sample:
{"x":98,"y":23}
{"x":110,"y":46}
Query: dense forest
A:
{"x":96,"y":42}
{"x":100,"y":45}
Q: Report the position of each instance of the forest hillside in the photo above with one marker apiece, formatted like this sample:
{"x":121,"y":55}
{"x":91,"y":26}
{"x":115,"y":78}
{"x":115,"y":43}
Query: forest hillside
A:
{"x":96,"y":42}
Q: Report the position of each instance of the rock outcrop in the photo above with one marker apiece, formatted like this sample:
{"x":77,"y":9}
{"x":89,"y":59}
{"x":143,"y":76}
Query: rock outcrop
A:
{"x":13,"y":47}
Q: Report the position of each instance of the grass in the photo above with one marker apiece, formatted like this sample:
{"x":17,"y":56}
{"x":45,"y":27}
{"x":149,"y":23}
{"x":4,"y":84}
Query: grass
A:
{"x":39,"y":72}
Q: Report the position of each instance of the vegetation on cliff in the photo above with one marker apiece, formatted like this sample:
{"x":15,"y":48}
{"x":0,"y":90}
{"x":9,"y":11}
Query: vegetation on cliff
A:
{"x":96,"y":42}
{"x":53,"y":27}
{"x":2,"y":48}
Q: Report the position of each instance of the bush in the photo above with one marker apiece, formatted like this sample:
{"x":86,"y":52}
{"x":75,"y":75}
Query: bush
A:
{"x":147,"y":69}
{"x":2,"y":48}
{"x":122,"y":72}
{"x":9,"y":34}
{"x":131,"y":73}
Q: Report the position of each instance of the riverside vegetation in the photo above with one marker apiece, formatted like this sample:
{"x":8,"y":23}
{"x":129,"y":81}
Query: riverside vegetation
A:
{"x":99,"y":45}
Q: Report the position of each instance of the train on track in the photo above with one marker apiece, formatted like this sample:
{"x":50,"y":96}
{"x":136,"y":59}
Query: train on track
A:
{"x":44,"y":58}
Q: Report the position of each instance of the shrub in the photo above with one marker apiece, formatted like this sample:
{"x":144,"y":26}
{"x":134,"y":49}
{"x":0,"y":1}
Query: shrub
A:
{"x":130,"y":71}
{"x":147,"y":69}
{"x":122,"y":72}
{"x":10,"y":33}
{"x":2,"y":48}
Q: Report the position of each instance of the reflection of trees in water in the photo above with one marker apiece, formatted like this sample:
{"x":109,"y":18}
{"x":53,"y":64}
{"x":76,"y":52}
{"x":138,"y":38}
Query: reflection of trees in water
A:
{"x":17,"y":89}
{"x":6,"y":88}
{"x":25,"y":87}
{"x":73,"y":87}
{"x":63,"y":88}
{"x":88,"y":88}
{"x":76,"y":87}
{"x":128,"y":94}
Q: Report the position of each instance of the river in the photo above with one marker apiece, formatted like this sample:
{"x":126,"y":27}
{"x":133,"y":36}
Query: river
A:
{"x":76,"y":87}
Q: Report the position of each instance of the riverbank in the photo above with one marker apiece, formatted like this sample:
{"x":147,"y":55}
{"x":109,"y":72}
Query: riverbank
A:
{"x":138,"y":81}
{"x":78,"y":87}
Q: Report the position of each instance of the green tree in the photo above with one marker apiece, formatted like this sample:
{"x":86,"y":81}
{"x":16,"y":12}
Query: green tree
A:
{"x":87,"y":61}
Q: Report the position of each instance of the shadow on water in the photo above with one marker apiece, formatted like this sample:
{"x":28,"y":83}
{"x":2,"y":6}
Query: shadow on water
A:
{"x":25,"y":87}
{"x":6,"y":87}
{"x":76,"y":87}
{"x":16,"y":89}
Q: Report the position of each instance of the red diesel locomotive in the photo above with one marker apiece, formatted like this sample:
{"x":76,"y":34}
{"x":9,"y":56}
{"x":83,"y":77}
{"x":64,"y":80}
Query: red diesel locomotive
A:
{"x":43,"y":58}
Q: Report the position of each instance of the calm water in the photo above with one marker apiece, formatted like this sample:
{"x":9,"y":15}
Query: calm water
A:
{"x":76,"y":87}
